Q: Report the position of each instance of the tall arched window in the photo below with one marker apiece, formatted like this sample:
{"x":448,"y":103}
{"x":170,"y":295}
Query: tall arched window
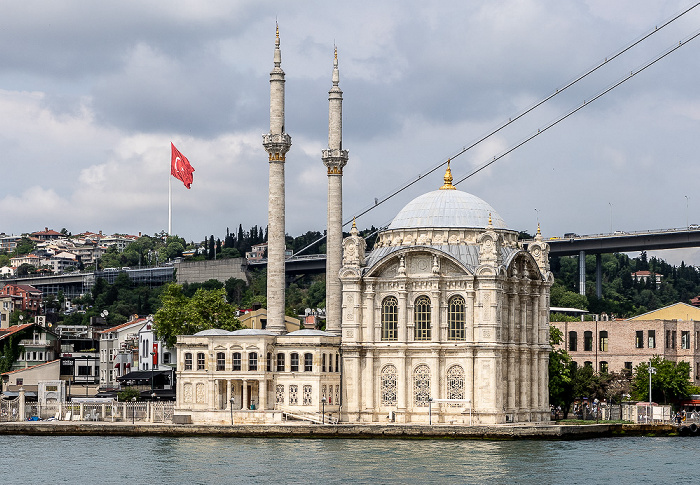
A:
{"x":455,"y":382}
{"x":421,"y":314}
{"x":455,"y":319}
{"x":390,"y":318}
{"x":388,"y":385}
{"x":421,"y":385}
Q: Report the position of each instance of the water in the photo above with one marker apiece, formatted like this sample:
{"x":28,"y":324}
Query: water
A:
{"x":155,"y":460}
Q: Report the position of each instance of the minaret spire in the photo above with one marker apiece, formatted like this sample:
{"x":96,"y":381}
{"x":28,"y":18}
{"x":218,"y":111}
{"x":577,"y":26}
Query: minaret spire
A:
{"x":277,"y":144}
{"x":335,"y":158}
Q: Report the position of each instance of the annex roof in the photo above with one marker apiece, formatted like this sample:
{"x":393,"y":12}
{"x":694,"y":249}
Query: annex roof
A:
{"x":676,"y":311}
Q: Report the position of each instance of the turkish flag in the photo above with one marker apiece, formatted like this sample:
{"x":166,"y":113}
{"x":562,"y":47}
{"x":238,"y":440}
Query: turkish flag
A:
{"x":180,"y":167}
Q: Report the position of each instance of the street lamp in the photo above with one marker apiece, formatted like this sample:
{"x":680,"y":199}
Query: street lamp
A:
{"x":133,"y":410}
{"x":232,"y":400}
{"x":323,"y":415}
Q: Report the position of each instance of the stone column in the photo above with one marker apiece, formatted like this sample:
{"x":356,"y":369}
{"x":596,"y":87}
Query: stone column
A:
{"x":228,"y":394}
{"x":244,"y":403}
{"x":277,"y":144}
{"x":262,"y":394}
{"x":335,"y":158}
{"x":22,"y":410}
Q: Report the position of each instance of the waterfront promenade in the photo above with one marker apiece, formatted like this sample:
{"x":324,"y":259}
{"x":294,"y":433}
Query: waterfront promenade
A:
{"x":353,"y":431}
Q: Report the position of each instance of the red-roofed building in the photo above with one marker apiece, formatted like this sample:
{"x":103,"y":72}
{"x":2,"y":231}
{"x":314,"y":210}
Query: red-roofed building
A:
{"x":40,"y":345}
{"x":31,"y":298}
{"x":645,"y":275}
{"x":46,"y":234}
{"x":119,"y":348}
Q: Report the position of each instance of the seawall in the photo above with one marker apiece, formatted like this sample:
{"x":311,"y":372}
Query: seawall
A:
{"x":355,"y":431}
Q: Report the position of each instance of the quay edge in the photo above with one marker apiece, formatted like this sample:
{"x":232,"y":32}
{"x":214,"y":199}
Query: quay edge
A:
{"x":352,"y":431}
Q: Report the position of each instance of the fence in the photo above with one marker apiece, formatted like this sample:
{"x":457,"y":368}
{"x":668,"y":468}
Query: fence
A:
{"x":9,"y":409}
{"x":111,"y":411}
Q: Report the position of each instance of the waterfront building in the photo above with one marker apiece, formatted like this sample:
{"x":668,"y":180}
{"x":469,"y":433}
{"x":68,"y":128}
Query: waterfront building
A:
{"x":671,"y":332}
{"x":445,"y":321}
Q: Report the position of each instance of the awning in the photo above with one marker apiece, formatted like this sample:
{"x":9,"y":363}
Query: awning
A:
{"x":16,"y":394}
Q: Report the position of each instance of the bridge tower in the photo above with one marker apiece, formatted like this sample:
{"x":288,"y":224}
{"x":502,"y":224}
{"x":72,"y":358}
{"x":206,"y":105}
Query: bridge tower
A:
{"x":277,"y":144}
{"x":335,"y":158}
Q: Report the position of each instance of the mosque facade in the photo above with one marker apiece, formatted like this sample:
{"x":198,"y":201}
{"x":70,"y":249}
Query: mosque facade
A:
{"x":445,"y":321}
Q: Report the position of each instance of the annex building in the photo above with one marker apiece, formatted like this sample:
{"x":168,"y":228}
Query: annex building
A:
{"x":447,"y":316}
{"x":671,"y":332}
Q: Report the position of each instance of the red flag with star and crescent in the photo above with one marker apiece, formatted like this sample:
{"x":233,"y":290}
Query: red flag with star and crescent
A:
{"x":180,"y":167}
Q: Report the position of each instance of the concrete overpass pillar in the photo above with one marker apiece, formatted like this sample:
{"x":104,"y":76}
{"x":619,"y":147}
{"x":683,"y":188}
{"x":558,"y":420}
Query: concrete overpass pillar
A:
{"x":599,"y":275}
{"x":582,"y":272}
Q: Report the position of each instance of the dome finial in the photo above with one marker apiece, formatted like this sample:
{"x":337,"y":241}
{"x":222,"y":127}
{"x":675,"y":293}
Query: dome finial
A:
{"x":448,"y":178}
{"x":490,"y":221}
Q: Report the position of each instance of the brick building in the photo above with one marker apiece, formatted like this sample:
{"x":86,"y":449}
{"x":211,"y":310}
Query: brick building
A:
{"x":672,"y":332}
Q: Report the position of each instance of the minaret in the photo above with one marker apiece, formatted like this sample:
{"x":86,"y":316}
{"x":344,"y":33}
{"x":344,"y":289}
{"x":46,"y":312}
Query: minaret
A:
{"x":277,"y":144}
{"x":334,"y":159}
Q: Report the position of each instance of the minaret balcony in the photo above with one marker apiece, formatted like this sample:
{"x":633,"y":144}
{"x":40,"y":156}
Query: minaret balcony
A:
{"x":335,"y":156}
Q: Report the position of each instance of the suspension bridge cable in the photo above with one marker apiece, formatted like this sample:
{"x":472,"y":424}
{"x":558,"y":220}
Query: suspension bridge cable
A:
{"x":511,"y":120}
{"x":580,"y":107}
{"x":558,"y":91}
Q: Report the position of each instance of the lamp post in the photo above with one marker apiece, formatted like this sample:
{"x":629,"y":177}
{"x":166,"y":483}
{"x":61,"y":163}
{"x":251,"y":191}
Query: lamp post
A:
{"x":687,"y":225}
{"x":232,"y":400}
{"x":323,"y":413}
{"x":133,"y":410}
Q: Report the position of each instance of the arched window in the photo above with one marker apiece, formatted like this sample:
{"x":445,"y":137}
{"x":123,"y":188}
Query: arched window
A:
{"x":421,"y":318}
{"x":388,"y":385}
{"x":200,"y":361}
{"x":455,"y":382}
{"x":294,"y":362}
{"x":323,"y":362}
{"x":603,"y":344}
{"x":220,"y":361}
{"x":455,"y":319}
{"x":188,"y":361}
{"x":421,"y":385}
{"x":573,"y":341}
{"x":603,"y":367}
{"x":236,"y":361}
{"x":253,"y":361}
{"x":280,"y":362}
{"x":268,"y":362}
{"x":587,"y":341}
{"x":390,"y":318}
{"x":308,"y":362}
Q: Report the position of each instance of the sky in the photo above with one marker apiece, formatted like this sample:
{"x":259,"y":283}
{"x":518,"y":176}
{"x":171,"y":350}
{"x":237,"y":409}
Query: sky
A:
{"x":92,"y":94}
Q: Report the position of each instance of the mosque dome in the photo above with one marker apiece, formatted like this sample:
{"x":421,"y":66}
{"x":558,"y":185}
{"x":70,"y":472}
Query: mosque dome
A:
{"x":447,"y":208}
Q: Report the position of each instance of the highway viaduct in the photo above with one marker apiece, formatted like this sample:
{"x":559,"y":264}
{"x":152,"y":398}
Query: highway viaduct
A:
{"x":619,"y":242}
{"x":571,"y":245}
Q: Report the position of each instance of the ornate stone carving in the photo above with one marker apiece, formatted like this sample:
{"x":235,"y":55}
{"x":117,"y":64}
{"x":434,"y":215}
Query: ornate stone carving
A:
{"x":455,"y":382}
{"x":354,"y":249}
{"x":388,"y":387}
{"x":421,"y":385}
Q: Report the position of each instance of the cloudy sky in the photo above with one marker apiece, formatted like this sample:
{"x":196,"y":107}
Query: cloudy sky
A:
{"x":92,"y":94}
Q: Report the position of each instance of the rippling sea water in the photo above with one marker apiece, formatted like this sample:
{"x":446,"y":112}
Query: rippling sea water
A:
{"x":154,"y":460}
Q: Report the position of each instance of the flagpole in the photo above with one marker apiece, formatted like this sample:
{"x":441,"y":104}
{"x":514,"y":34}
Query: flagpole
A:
{"x":170,"y":205}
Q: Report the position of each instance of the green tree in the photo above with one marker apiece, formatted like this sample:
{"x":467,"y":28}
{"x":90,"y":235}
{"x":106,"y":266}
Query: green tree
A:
{"x":671,"y":381}
{"x":180,"y":315}
{"x":128,"y":393}
{"x":560,"y":373}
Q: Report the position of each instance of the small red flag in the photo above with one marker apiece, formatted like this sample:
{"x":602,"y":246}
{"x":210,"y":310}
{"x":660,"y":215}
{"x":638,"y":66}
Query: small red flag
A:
{"x":180,"y":167}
